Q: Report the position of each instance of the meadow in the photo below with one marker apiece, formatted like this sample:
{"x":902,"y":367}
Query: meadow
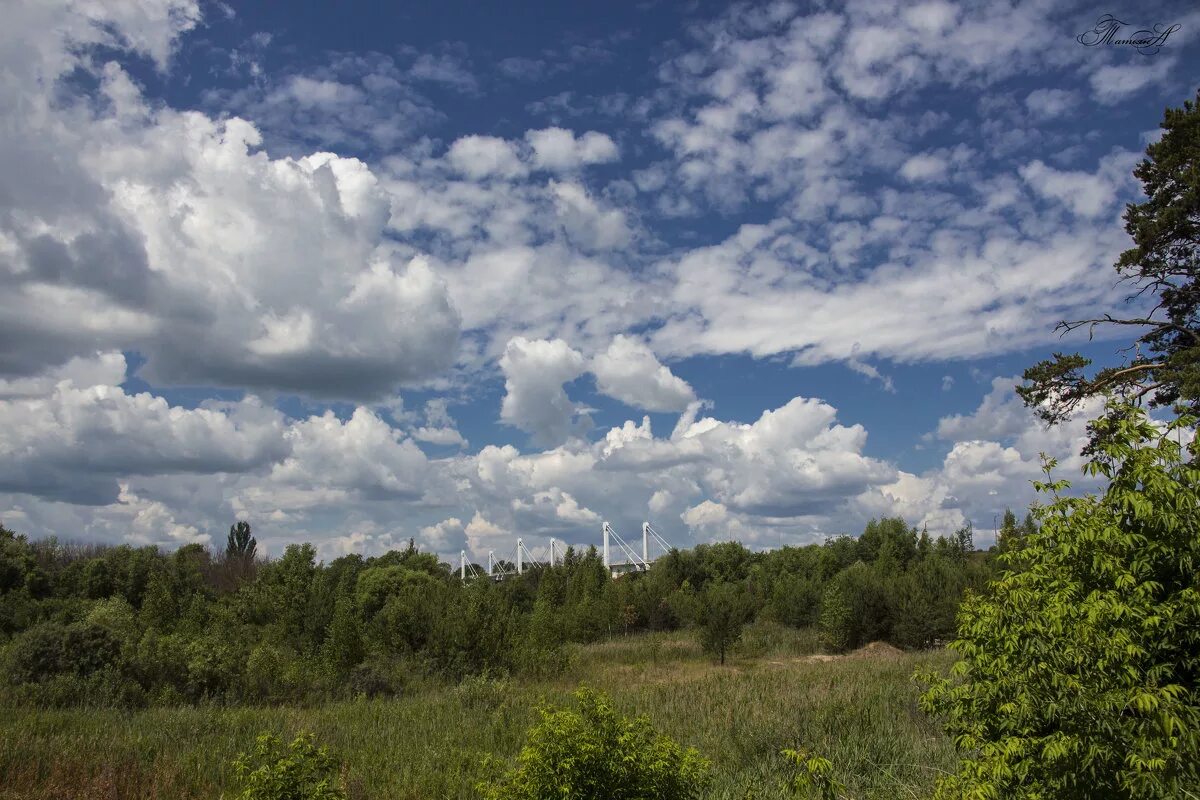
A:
{"x":441,"y":740}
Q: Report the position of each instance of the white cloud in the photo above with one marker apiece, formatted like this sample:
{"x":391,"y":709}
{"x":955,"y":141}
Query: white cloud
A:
{"x":587,"y":224}
{"x":484,"y":157}
{"x":1086,"y":194}
{"x":1001,"y":415}
{"x":77,"y":442}
{"x":1114,"y":83}
{"x":534,"y":399}
{"x":924,"y":167}
{"x":439,"y":427}
{"x":445,"y":536}
{"x":362,"y":456}
{"x":1050,"y":103}
{"x":103,"y":369}
{"x":628,"y":371}
{"x":560,"y":150}
{"x":172,"y":234}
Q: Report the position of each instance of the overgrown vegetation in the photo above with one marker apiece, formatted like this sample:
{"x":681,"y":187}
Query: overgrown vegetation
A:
{"x":302,"y":771}
{"x":1080,"y":664}
{"x":444,"y":740}
{"x":136,"y":627}
{"x":597,"y":754}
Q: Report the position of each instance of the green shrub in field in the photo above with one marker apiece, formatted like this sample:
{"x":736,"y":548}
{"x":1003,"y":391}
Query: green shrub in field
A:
{"x":1080,"y":664}
{"x":596,"y":754}
{"x":302,"y":771}
{"x":813,"y":776}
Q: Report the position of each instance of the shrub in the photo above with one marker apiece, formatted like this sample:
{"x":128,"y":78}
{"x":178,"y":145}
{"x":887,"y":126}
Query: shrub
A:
{"x":1080,"y":664}
{"x":596,"y":754}
{"x":302,"y":771}
{"x":813,"y":776}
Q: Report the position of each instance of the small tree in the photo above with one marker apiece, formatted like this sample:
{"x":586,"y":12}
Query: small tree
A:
{"x":596,"y":754}
{"x":722,"y":617}
{"x":812,"y":775}
{"x":1080,"y":664}
{"x":303,"y":771}
{"x":240,"y":545}
{"x":836,"y":622}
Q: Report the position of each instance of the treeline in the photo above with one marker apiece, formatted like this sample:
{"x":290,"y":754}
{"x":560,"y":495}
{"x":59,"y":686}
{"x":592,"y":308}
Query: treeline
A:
{"x":133,"y":627}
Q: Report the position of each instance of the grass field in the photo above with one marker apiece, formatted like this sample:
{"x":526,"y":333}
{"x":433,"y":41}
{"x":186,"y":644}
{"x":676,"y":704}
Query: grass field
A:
{"x":859,"y":710}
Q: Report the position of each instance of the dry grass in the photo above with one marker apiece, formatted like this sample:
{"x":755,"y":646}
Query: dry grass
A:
{"x":860,"y":711}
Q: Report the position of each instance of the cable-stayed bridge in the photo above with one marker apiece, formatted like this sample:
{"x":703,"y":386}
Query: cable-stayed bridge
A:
{"x":619,"y":556}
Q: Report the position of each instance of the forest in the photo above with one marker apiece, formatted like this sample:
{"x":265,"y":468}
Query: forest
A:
{"x":136,"y":627}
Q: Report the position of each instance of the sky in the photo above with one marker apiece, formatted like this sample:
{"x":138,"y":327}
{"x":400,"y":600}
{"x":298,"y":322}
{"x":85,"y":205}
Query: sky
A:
{"x":467,"y":272}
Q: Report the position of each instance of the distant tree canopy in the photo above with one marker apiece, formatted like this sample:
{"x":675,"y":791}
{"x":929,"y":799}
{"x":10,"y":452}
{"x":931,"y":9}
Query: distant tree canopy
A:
{"x":1163,"y":267}
{"x":136,"y":626}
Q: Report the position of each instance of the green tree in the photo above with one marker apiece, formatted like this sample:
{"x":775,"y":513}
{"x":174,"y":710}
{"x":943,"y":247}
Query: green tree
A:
{"x":1080,"y":664}
{"x":723,"y":614}
{"x":159,"y":609}
{"x":241,"y":544}
{"x":597,"y":754}
{"x":343,"y":645}
{"x":1163,"y":267}
{"x":836,"y":622}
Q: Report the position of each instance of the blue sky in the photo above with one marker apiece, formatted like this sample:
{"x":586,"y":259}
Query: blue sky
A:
{"x":464,"y":272}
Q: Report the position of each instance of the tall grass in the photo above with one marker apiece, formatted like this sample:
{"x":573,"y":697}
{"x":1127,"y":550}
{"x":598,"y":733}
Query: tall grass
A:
{"x":861,"y":713}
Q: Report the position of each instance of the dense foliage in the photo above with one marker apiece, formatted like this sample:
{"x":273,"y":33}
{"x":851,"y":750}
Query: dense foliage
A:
{"x":131,"y":627}
{"x":1080,"y":663}
{"x":1163,"y":267}
{"x":597,"y":754}
{"x":301,"y":771}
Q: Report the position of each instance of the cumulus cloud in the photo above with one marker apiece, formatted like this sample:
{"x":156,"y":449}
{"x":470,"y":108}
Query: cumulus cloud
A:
{"x":172,"y":234}
{"x":103,"y":369}
{"x":628,"y":371}
{"x":1050,"y":103}
{"x":362,"y":456}
{"x":993,"y":457}
{"x":1086,"y":194}
{"x":560,"y":150}
{"x":586,"y":223}
{"x":1114,"y":83}
{"x":75,"y":443}
{"x":485,"y":156}
{"x":439,"y":427}
{"x":224,"y":251}
{"x":1001,"y":415}
{"x":534,"y":398}
{"x":924,"y":167}
{"x":445,"y":536}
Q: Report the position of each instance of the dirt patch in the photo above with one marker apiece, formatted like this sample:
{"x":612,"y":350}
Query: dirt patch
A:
{"x":876,"y":650}
{"x":873,"y":651}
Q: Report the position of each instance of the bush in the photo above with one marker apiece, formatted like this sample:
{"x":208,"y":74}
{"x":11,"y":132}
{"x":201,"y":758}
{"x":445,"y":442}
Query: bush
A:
{"x":1080,"y":664}
{"x":379,"y":676}
{"x":596,"y":754}
{"x":301,"y":772}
